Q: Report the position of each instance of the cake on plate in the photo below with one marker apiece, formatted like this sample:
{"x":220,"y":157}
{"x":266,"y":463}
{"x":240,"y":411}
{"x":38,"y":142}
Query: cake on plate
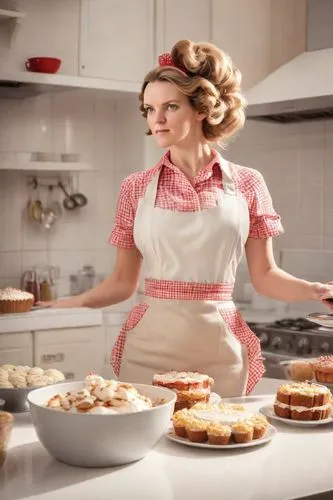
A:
{"x":303,"y":401}
{"x":219,"y":424}
{"x":191,"y":387}
{"x":323,"y":369}
{"x":13,"y":300}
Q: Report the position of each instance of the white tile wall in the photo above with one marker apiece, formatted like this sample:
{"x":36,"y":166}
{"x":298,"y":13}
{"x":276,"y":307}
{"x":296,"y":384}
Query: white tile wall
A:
{"x":105,"y":132}
{"x":297,"y":163}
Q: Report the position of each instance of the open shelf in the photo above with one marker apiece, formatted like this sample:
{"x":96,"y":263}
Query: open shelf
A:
{"x":11,"y":14}
{"x":24,"y":162}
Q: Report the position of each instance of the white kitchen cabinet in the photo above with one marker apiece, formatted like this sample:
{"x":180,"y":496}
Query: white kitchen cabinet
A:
{"x":74,"y":351}
{"x":117,"y":39}
{"x":16,"y":348}
{"x":181,"y":19}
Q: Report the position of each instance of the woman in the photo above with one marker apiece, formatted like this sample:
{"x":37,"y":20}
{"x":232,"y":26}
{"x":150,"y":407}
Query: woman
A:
{"x":189,"y":219}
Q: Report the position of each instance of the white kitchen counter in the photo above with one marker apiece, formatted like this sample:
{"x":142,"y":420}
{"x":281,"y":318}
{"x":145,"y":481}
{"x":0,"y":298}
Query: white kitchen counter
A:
{"x":295,"y":464}
{"x":46,"y":319}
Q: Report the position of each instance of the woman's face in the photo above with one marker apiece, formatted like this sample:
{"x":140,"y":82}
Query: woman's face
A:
{"x":170,"y":116}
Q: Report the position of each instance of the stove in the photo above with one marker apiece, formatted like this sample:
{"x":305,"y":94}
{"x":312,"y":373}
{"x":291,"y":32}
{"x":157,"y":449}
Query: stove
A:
{"x":291,"y":338}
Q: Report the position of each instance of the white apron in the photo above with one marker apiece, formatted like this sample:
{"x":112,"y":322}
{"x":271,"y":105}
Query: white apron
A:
{"x":187,"y":320}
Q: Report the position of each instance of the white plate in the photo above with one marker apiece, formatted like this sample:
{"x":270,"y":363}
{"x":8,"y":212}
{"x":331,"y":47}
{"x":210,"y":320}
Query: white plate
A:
{"x":322,"y":319}
{"x":271,"y":432}
{"x":268,"y":411}
{"x":214,"y":398}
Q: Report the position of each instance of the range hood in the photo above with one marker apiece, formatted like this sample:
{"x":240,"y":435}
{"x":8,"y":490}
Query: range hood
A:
{"x":24,"y":84}
{"x":302,"y":89}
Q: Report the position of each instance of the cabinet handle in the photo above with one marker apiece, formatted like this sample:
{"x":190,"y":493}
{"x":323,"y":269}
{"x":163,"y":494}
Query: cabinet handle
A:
{"x":53,"y":358}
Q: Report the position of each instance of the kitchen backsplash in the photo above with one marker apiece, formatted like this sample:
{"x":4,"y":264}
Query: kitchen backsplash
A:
{"x":106,"y":133}
{"x":296,"y":161}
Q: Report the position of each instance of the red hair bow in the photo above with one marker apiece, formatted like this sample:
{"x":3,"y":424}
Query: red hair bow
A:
{"x":166,"y":60}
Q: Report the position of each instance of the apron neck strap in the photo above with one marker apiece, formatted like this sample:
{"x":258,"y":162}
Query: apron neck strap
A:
{"x":227,"y":178}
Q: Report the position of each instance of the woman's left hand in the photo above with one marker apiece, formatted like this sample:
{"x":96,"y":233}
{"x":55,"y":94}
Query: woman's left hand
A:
{"x":324,"y":293}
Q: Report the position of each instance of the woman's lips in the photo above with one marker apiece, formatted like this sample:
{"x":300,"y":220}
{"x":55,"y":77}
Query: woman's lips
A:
{"x":161,"y":131}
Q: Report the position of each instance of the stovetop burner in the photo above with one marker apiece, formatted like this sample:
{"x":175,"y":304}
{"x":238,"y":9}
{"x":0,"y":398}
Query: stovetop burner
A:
{"x":294,"y":324}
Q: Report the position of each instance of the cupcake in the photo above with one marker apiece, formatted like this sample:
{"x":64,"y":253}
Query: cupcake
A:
{"x":13,"y":300}
{"x":323,"y":369}
{"x":196,"y":430}
{"x":179,"y":420}
{"x":6,"y":423}
{"x":218,"y":434}
{"x":54,"y":375}
{"x":260,"y":426}
{"x":299,"y":370}
{"x":242,"y":431}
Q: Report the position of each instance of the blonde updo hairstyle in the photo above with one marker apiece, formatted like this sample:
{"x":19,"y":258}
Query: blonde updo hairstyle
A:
{"x":213,"y":87}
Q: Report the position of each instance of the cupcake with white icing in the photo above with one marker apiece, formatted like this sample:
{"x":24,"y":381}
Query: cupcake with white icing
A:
{"x":13,"y":300}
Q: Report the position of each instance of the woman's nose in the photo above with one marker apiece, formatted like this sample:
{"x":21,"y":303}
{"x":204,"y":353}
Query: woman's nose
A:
{"x":160,"y":116}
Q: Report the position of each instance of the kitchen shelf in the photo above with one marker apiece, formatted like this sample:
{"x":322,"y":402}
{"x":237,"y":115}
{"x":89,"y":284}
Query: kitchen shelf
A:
{"x":24,"y":162}
{"x":23,"y":84}
{"x":13,"y":19}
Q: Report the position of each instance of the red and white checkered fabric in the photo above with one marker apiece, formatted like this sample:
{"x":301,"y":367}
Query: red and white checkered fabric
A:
{"x":133,"y":319}
{"x":182,"y":290}
{"x":246,"y":337}
{"x":175,"y":192}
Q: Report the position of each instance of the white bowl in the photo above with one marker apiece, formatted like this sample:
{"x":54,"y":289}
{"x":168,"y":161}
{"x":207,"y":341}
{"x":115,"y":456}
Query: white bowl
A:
{"x":90,"y":440}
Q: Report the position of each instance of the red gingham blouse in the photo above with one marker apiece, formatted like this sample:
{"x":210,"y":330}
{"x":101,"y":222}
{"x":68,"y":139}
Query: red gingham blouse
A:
{"x":175,"y":192}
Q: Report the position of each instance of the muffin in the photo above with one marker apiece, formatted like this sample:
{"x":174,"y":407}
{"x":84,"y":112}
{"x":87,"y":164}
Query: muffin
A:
{"x":299,"y":370}
{"x":196,"y":430}
{"x":13,"y":300}
{"x":260,"y":426}
{"x":179,"y":420}
{"x":218,"y":434}
{"x":323,"y":369}
{"x":6,"y":423}
{"x":242,"y":431}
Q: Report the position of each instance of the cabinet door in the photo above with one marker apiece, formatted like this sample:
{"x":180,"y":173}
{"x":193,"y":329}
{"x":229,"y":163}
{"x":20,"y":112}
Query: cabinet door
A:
{"x":116,"y":39}
{"x":181,"y":19}
{"x":16,"y":348}
{"x":74,"y":351}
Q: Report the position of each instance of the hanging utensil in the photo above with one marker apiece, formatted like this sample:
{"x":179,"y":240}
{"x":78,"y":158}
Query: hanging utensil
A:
{"x":48,"y":216}
{"x":69,"y":202}
{"x":80,"y":198}
{"x":34,"y":206}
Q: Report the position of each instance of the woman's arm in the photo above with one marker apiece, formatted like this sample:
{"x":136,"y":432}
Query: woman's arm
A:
{"x":269,"y":280}
{"x":119,"y":286}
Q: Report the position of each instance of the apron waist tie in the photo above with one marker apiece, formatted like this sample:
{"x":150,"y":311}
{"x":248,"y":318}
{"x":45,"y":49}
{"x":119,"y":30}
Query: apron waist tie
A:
{"x":187,"y":290}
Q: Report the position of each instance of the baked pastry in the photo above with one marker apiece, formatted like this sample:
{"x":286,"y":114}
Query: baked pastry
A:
{"x":242,"y":431}
{"x":303,"y":401}
{"x":191,"y":387}
{"x":13,"y":300}
{"x":218,"y":433}
{"x":219,"y":424}
{"x":300,"y":371}
{"x":6,"y":423}
{"x":323,"y":369}
{"x":24,"y":376}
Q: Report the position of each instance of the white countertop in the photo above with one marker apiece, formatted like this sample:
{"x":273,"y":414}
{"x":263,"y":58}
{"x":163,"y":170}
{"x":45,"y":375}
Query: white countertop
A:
{"x":295,"y":464}
{"x":46,"y":319}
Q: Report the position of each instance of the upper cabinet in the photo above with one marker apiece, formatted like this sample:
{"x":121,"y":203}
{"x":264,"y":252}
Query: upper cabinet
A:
{"x":117,"y":39}
{"x":181,"y":19}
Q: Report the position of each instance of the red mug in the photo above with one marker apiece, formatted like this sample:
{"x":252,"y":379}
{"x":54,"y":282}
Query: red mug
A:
{"x":43,"y":64}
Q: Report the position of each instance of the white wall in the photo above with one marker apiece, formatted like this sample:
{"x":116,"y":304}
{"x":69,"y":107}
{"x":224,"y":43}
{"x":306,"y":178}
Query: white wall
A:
{"x":103,"y":131}
{"x":297,"y":163}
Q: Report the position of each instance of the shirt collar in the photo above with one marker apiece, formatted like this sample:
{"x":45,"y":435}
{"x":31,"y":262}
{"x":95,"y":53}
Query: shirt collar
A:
{"x":204,"y":174}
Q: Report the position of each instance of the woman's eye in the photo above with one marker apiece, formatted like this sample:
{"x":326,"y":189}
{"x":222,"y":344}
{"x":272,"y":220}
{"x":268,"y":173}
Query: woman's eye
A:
{"x":148,"y":109}
{"x":173,"y":107}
